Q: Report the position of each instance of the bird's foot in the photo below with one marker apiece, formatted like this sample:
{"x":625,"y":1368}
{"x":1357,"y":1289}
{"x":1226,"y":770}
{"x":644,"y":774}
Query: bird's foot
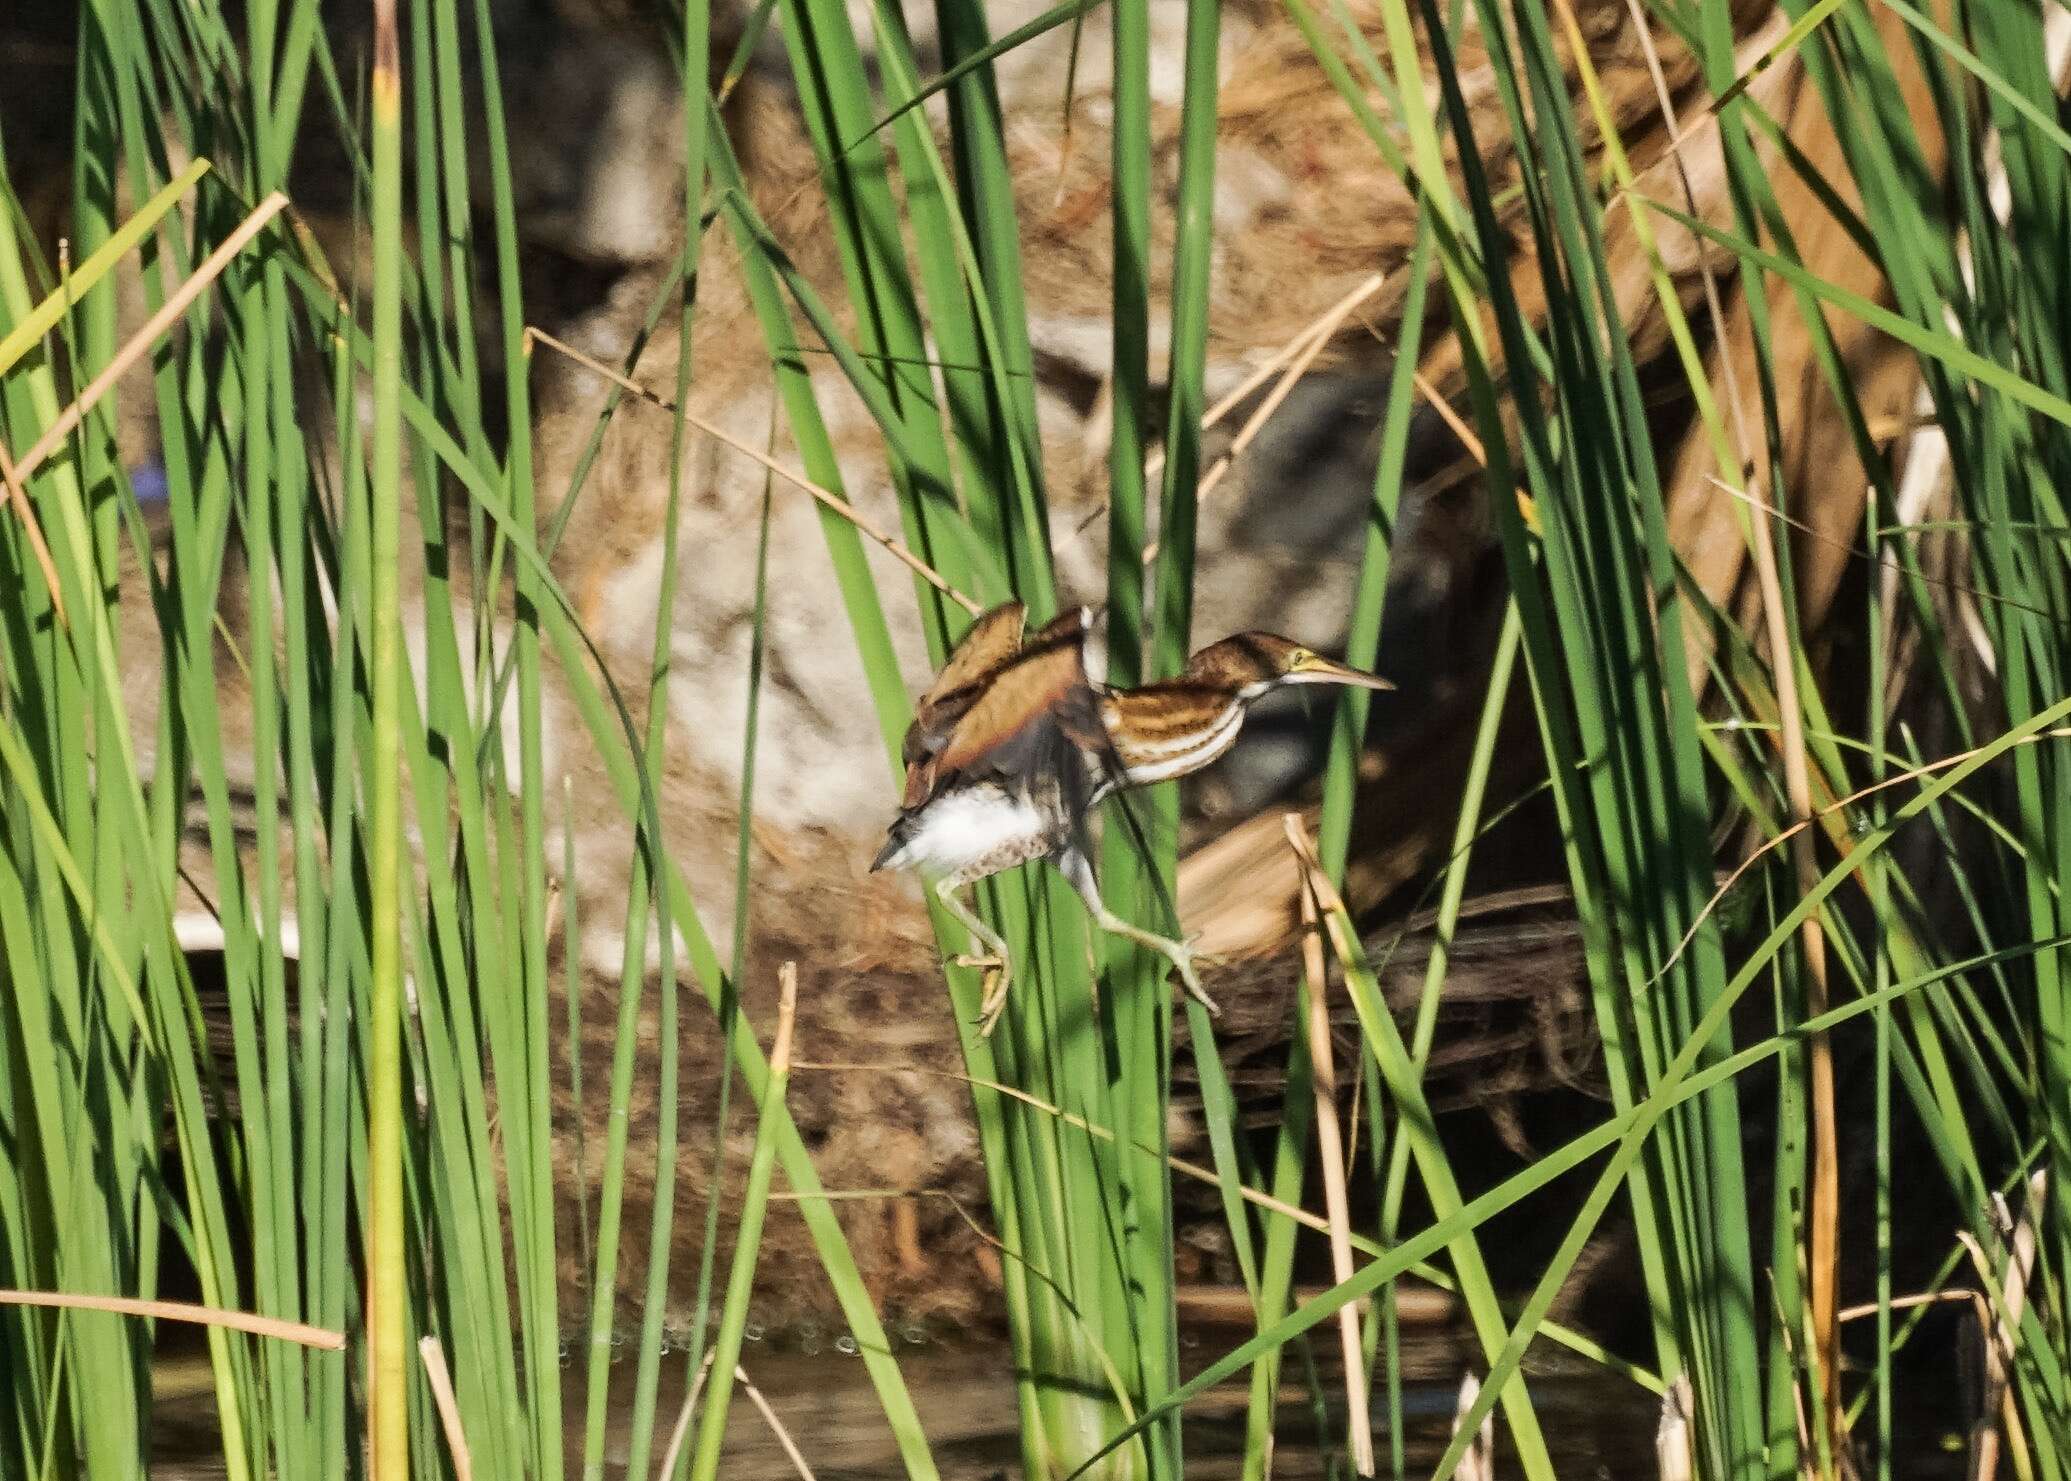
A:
{"x":1205,"y":958}
{"x":1180,"y":953}
{"x":1183,"y":956}
{"x":998,"y":975}
{"x":997,"y":980}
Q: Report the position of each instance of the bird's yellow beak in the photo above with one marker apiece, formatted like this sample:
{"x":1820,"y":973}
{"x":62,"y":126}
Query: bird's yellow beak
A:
{"x":1314,"y":668}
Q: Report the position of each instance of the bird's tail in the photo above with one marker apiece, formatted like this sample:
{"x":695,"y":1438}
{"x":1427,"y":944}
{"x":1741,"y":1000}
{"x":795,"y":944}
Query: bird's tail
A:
{"x":891,"y":856}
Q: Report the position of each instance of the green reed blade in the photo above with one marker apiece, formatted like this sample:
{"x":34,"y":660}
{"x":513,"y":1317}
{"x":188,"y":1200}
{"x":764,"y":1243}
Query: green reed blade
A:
{"x":733,"y":1315}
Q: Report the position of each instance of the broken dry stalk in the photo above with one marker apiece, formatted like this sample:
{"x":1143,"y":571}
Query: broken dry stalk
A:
{"x":1331,"y":1151}
{"x":140,"y":343}
{"x":181,"y":1311}
{"x":441,"y":1384}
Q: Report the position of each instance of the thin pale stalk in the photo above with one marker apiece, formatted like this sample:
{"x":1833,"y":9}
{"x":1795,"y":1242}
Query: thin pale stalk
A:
{"x":387,"y":1333}
{"x":1330,"y":1144}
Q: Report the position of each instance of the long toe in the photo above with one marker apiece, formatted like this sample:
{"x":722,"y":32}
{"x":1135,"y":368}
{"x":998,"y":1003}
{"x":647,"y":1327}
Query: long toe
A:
{"x":1184,"y":960}
{"x":1191,"y":946}
{"x":995,"y":1002}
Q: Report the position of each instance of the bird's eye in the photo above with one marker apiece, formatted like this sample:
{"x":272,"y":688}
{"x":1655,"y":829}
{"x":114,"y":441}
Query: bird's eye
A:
{"x":1301,"y":658}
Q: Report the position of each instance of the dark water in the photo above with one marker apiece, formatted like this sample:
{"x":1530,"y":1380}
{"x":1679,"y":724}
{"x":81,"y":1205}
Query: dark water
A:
{"x":1601,"y":1427}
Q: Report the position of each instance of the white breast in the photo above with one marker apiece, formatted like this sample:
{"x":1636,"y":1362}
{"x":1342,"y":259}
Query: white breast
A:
{"x":974,"y":832}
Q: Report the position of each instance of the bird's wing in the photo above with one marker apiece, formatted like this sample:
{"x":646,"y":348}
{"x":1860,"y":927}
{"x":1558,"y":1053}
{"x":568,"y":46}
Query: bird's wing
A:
{"x":1079,"y":713}
{"x":1021,"y":727}
{"x":1068,"y":626}
{"x":991,"y":640}
{"x":987,"y":644}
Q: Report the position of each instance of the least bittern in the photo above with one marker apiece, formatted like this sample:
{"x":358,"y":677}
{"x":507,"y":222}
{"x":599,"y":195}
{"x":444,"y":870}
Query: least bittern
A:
{"x":1013,"y":747}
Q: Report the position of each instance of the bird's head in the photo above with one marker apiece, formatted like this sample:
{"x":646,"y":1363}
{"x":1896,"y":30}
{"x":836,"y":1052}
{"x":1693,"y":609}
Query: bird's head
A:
{"x":1254,"y":663}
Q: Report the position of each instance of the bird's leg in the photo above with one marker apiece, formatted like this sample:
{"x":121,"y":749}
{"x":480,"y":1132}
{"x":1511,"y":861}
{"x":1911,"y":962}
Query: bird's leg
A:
{"x":1078,"y":869}
{"x":999,"y":965}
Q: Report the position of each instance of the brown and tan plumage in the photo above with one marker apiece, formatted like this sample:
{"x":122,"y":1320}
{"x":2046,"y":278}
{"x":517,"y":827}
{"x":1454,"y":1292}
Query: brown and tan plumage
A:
{"x":986,"y":647}
{"x":998,"y":723}
{"x":1013,"y":747}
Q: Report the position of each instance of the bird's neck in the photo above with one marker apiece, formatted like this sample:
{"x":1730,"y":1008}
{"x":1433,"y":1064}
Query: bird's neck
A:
{"x":1164,"y":731}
